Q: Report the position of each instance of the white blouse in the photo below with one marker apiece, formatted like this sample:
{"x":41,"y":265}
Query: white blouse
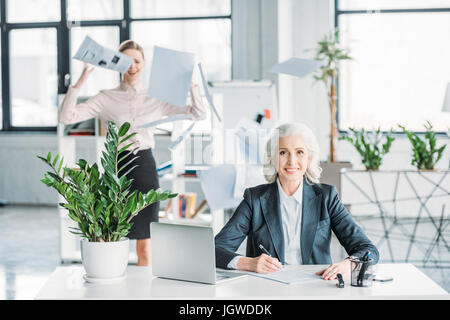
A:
{"x":127,"y":104}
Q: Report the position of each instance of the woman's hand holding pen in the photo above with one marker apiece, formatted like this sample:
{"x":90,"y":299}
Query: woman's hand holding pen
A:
{"x":86,"y":72}
{"x":333,"y":269}
{"x":262,"y":264}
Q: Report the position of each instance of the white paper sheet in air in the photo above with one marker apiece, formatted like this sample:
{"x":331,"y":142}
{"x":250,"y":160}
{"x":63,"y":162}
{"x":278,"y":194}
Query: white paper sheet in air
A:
{"x":208,"y":96}
{"x":181,"y":137}
{"x":288,"y":275}
{"x":171,"y":76}
{"x":218,"y":185}
{"x":93,"y":53}
{"x":296,"y":67}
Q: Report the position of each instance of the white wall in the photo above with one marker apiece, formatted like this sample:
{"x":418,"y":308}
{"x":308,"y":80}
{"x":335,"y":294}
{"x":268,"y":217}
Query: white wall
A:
{"x":21,"y":170}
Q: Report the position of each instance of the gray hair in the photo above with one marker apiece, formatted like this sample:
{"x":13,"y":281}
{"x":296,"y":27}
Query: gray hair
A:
{"x":270,"y":168}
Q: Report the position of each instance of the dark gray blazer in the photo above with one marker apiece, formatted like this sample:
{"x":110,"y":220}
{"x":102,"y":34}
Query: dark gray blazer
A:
{"x":258,"y":216}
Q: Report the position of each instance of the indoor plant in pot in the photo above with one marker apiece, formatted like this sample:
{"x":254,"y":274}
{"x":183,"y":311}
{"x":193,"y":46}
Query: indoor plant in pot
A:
{"x":425,"y":152}
{"x":102,"y":204}
{"x":369,"y":145}
{"x":331,"y":53}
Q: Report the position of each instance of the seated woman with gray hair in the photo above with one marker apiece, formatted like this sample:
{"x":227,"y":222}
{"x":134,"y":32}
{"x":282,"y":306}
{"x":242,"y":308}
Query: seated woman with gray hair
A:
{"x":290,"y":219}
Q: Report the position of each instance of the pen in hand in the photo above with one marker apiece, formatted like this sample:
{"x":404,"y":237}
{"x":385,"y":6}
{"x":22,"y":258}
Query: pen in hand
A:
{"x":266,"y":252}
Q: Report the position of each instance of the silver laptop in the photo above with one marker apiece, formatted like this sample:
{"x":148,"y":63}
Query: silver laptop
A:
{"x":186,"y":252}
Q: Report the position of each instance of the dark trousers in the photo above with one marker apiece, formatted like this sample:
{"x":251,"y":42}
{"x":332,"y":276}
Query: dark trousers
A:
{"x":145,"y":178}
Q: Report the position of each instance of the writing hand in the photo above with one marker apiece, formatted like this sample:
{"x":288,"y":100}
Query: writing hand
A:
{"x":262,"y":264}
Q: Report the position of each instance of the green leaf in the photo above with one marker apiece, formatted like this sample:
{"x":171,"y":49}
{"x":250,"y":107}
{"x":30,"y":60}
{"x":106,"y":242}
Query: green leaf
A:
{"x":124,"y":129}
{"x":55,"y":160}
{"x":125,"y":148}
{"x":127,"y":137}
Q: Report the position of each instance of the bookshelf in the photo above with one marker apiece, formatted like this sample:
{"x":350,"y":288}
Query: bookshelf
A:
{"x":177,"y":180}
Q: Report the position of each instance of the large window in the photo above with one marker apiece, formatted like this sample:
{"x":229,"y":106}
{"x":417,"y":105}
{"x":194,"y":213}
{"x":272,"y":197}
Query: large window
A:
{"x":401,"y":63}
{"x":33,"y":77}
{"x":39,"y":38}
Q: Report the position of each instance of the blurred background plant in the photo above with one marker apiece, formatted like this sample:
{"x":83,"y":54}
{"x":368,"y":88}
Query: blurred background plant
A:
{"x":330,"y":53}
{"x":368,"y":144}
{"x":425,"y":153}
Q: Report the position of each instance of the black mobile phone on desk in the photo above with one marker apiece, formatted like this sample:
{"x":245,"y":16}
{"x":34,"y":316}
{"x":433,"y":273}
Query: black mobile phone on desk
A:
{"x":383,"y":278}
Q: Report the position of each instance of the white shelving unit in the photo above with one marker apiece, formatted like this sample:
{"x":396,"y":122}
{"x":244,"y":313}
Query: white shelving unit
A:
{"x":178,"y":183}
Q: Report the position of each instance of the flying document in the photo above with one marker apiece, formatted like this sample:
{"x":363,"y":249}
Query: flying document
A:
{"x":93,"y":53}
{"x":171,"y":76}
{"x":208,"y":96}
{"x":296,"y":67}
{"x":181,"y":137}
{"x":217,"y":185}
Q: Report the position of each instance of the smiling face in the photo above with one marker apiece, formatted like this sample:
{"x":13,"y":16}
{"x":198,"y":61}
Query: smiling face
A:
{"x":293,"y":159}
{"x":132,"y":76}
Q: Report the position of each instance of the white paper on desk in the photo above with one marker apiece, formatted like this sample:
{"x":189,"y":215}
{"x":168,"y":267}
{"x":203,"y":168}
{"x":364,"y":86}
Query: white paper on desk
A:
{"x":288,"y":275}
{"x":171,"y":75}
{"x":93,"y":53}
{"x":208,"y":96}
{"x":181,"y":137}
{"x":217,"y":184}
{"x":296,"y":67}
{"x":176,"y":117}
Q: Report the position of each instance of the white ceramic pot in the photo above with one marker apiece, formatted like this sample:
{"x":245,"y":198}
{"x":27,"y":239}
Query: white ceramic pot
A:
{"x":105,"y":260}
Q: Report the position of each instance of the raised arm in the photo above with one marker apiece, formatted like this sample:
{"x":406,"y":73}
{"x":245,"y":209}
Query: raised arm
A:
{"x":71,"y":112}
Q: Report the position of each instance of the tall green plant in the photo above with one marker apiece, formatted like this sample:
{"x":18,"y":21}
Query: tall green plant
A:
{"x":425,"y":153}
{"x":368,"y":144}
{"x":331,"y":53}
{"x":101,"y":204}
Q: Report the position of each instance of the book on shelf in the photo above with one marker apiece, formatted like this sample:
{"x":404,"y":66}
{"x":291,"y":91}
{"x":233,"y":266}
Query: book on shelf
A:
{"x":186,"y":205}
{"x":188,"y":175}
{"x":81,"y":132}
{"x":191,"y":171}
{"x":164,"y":168}
{"x":202,"y":207}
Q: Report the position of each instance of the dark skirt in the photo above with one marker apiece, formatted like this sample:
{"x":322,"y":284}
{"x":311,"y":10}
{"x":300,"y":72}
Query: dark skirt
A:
{"x":145,"y":178}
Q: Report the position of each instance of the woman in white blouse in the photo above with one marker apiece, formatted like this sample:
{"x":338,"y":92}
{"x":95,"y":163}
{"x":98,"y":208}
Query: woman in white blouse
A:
{"x":129,"y":103}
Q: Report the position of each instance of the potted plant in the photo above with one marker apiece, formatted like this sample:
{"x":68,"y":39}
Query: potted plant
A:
{"x":368,"y":144}
{"x":425,"y":153}
{"x":102,"y":204}
{"x":331,"y":54}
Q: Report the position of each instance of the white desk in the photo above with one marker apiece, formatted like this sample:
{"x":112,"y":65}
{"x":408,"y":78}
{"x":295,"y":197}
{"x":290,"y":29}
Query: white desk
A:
{"x":409,"y":283}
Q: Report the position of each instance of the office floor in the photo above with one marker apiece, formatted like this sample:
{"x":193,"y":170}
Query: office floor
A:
{"x":29,"y":251}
